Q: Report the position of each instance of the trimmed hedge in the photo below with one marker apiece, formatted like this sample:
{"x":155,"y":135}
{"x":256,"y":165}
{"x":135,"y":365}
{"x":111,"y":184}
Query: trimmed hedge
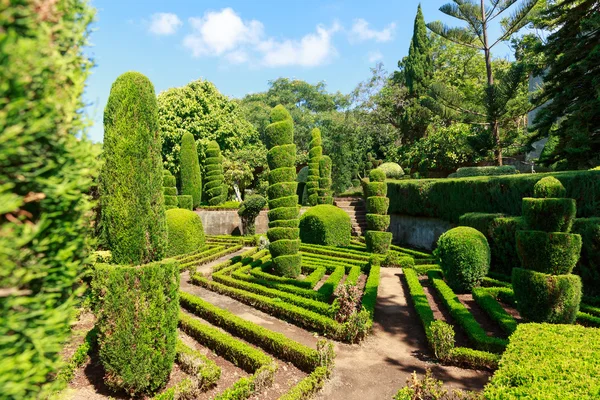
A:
{"x":376,"y":238}
{"x":213,"y":186}
{"x":194,"y":363}
{"x":495,"y":311}
{"x":332,"y":282}
{"x":589,"y":263}
{"x":137,"y":323}
{"x":308,"y":386}
{"x":186,"y":233}
{"x":314,"y":156}
{"x":448,"y":199}
{"x":282,"y":178}
{"x":78,"y":358}
{"x":189,"y":172}
{"x":185,"y":201}
{"x":546,"y":361}
{"x":466,"y":172}
{"x":325,"y":225}
{"x":554,"y":253}
{"x":547,"y":298}
{"x":550,"y":215}
{"x":371,"y":287}
{"x":132,"y":217}
{"x":464,"y":257}
{"x":324,"y":192}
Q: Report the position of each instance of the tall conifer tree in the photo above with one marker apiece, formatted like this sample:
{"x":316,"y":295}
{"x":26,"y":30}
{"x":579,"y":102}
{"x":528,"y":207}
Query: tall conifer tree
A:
{"x":418,"y":66}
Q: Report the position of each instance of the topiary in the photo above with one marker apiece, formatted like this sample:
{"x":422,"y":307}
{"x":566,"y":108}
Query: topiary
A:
{"x":314,"y":156}
{"x":213,"y":186}
{"x":549,"y":215}
{"x":191,"y":182}
{"x":185,"y":201}
{"x":283,"y":202}
{"x":549,"y":187}
{"x":186,"y":233}
{"x":391,"y":170}
{"x":301,"y":191}
{"x":324,"y":191}
{"x":133,"y":216}
{"x":376,"y":237}
{"x":464,"y":256}
{"x":47,"y":168}
{"x":326,"y":225}
{"x":170,"y":190}
{"x":249,"y":210}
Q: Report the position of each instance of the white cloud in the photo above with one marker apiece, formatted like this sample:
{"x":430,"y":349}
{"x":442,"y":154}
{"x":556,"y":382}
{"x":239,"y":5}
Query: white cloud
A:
{"x":361,"y":32}
{"x":164,"y":23}
{"x":225,"y":34}
{"x":374,"y":56}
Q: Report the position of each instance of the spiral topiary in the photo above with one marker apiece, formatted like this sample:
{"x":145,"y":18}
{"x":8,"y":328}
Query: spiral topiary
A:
{"x":191,"y":182}
{"x":314,"y":157}
{"x":376,"y":238}
{"x":545,"y":289}
{"x":213,"y":186}
{"x":283,"y":201}
{"x":170,"y":190}
{"x":325,"y":181}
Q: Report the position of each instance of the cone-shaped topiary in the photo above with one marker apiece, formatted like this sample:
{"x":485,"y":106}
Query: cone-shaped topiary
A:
{"x":191,"y":182}
{"x":325,"y":181}
{"x":131,"y":198}
{"x":213,"y":185}
{"x":283,"y":201}
{"x":314,"y":156}
{"x":545,"y":289}
{"x":170,"y":190}
{"x":376,"y":237}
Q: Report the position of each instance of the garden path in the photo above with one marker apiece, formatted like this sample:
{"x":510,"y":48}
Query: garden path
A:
{"x":379,"y":366}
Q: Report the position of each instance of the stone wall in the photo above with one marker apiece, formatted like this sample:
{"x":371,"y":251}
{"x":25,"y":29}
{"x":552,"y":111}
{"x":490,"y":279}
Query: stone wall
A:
{"x":418,"y":232}
{"x":228,"y":222}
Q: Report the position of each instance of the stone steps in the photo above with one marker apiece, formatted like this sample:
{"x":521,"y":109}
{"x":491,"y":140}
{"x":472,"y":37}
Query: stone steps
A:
{"x":355,"y":208}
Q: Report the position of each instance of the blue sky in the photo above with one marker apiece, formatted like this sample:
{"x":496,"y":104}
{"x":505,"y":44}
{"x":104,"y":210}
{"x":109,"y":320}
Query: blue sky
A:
{"x":241,"y":45}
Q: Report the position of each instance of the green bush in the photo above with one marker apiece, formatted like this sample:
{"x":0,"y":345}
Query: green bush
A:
{"x":552,"y":253}
{"x":213,"y":186}
{"x":495,"y":311}
{"x":465,"y":172}
{"x":169,"y":181}
{"x":448,"y":199}
{"x":549,"y":215}
{"x":170,"y":191}
{"x":282,"y":179}
{"x":549,"y":187}
{"x":377,"y":222}
{"x":547,"y":298}
{"x":249,"y":210}
{"x":325,"y":225}
{"x":376,"y":189}
{"x":130,"y":182}
{"x":546,"y":361}
{"x":46,"y":171}
{"x":325,"y":181}
{"x":137,"y":322}
{"x":588,"y":267}
{"x":442,"y":339}
{"x":378,"y":205}
{"x":185,"y":201}
{"x":186,"y":233}
{"x":483,"y":222}
{"x":315,"y":153}
{"x":189,"y":169}
{"x":377,"y":175}
{"x":391,"y":170}
{"x":378,"y":242}
{"x":464,"y":256}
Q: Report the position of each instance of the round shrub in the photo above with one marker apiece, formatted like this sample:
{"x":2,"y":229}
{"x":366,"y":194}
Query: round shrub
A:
{"x":185,"y":201}
{"x":546,"y":298}
{"x":131,"y":178}
{"x":552,"y":253}
{"x":391,"y":170}
{"x":314,"y":156}
{"x":377,"y":175}
{"x":186,"y":233}
{"x":376,"y":222}
{"x":549,"y":187}
{"x":283,"y":185}
{"x":213,"y":187}
{"x":191,"y":182}
{"x":249,"y":210}
{"x":464,"y":256}
{"x":326,"y":225}
{"x":549,"y":215}
{"x":378,"y":205}
{"x":378,"y":242}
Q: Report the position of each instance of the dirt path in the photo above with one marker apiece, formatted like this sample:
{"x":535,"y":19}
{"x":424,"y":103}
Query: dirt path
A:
{"x":206,"y":268}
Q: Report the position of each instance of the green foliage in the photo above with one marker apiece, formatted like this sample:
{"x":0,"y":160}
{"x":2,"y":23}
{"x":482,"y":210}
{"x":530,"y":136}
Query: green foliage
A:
{"x":194,"y":363}
{"x":542,"y":359}
{"x":325,"y":225}
{"x":191,"y":182}
{"x":483,"y":222}
{"x":45,"y":173}
{"x":442,"y":339}
{"x":552,"y":253}
{"x":378,"y":205}
{"x":186,"y":233}
{"x":448,"y":199}
{"x":378,"y":242}
{"x":418,"y":66}
{"x":213,"y":186}
{"x":495,"y":311}
{"x":185,"y":201}
{"x":308,"y":386}
{"x":249,"y":210}
{"x":130,"y":182}
{"x":466,"y":172}
{"x":200,"y":109}
{"x":547,"y":298}
{"x":376,"y":222}
{"x":464,"y":256}
{"x":392,"y":170}
{"x":377,"y":175}
{"x":431,"y":388}
{"x":137,"y":322}
{"x":324,"y":192}
{"x":589,"y":263}
{"x":315,"y":154}
{"x":549,"y":187}
{"x":568,"y":108}
{"x":282,"y":180}
{"x":549,"y":215}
